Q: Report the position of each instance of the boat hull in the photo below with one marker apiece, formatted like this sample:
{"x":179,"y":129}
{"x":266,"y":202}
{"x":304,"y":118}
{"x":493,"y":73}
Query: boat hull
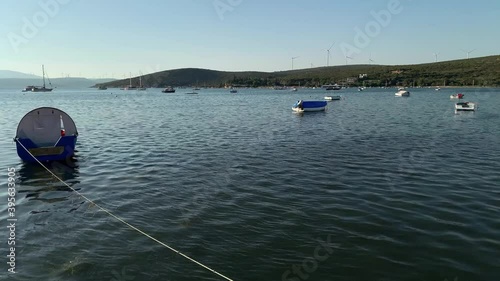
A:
{"x":465,"y":106}
{"x":402,"y":94}
{"x":64,"y":149}
{"x":41,"y":90}
{"x":168,"y":90}
{"x":309,"y":106}
{"x":330,"y":98}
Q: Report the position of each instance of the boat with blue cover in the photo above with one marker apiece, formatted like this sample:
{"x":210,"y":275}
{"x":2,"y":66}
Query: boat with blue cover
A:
{"x":46,"y":134}
{"x":305,"y":106}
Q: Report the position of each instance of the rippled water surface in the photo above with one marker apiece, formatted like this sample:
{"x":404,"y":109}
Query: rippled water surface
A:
{"x":375,"y":188}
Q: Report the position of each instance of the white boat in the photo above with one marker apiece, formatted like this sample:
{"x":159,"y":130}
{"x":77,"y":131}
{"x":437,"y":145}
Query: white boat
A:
{"x":457,"y":96}
{"x":465,"y":106}
{"x":330,"y":98}
{"x":233,"y":91}
{"x":438,"y":89}
{"x":402,"y":93}
{"x":294,"y":89}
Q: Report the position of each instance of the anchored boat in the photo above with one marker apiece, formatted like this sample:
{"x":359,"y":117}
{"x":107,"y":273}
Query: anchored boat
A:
{"x":402,"y":93}
{"x":303,"y":106}
{"x":46,"y":134}
{"x":168,"y":89}
{"x":457,"y":96}
{"x":330,"y":98}
{"x":465,"y":106}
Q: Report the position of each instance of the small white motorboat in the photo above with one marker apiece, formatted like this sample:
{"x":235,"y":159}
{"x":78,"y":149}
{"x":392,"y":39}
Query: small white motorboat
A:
{"x":402,"y":93}
{"x":330,"y":98}
{"x":457,"y":96}
{"x":465,"y":106}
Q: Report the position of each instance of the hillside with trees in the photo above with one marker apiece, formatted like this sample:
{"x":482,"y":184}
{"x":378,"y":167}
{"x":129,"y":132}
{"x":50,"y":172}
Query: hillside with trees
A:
{"x":478,"y":72}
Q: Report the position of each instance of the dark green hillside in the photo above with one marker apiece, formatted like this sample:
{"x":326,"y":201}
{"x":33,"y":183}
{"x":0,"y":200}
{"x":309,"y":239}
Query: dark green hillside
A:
{"x":483,"y":71}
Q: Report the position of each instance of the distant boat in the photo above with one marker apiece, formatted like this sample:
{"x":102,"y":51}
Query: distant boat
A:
{"x":102,"y":87}
{"x":457,"y":96}
{"x":334,"y":87}
{"x":141,"y":88}
{"x":306,"y":106}
{"x":129,"y":87}
{"x":191,"y":93}
{"x":40,"y":89}
{"x":168,"y":90}
{"x":233,"y":91}
{"x":402,"y":93}
{"x":294,"y":89}
{"x":330,"y":98}
{"x":438,"y":89}
{"x":465,"y":106}
{"x":46,"y":134}
{"x":28,"y":88}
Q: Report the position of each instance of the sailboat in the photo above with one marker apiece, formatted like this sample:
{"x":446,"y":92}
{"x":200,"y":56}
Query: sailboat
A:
{"x":141,"y":88}
{"x":130,"y":87}
{"x":43,"y":88}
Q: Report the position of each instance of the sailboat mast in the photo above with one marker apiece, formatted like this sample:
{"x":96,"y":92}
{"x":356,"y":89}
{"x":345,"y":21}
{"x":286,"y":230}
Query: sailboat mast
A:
{"x":43,"y":75}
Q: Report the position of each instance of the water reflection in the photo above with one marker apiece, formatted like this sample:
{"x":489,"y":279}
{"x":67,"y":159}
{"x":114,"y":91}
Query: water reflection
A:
{"x":36,"y":182}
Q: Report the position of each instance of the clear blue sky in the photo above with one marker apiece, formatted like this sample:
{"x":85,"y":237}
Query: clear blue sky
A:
{"x":111,"y":38}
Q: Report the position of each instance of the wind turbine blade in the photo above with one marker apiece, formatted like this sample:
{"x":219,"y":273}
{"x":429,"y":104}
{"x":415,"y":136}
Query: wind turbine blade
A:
{"x":331,"y":46}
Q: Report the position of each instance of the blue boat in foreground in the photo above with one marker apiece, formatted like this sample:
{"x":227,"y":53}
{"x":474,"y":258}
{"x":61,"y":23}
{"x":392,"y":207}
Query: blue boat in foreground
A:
{"x":47,"y":134}
{"x":304,"y":106}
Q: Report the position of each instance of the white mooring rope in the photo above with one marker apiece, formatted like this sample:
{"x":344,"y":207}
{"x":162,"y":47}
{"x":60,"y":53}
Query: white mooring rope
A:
{"x":123,"y":221}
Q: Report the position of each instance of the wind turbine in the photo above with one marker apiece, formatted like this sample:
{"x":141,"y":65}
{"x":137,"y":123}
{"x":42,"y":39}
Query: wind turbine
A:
{"x":370,"y":59}
{"x":293,"y":58}
{"x":347,"y":57}
{"x":468,"y":52}
{"x":328,"y":54}
{"x":436,"y":56}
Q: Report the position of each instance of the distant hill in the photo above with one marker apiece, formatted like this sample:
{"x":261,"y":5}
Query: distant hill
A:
{"x":484,"y":71}
{"x":4,"y":74}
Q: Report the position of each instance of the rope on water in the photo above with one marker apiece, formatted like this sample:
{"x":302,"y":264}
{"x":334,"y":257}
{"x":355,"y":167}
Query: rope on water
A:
{"x":123,"y":221}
